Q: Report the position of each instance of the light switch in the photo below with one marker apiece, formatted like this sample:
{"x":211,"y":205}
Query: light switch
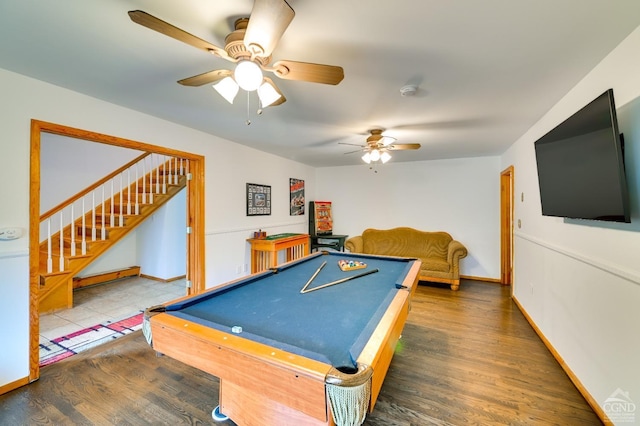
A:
{"x":10,"y":233}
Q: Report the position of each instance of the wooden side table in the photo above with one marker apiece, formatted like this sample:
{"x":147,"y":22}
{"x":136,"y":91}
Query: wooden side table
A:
{"x":264,"y":251}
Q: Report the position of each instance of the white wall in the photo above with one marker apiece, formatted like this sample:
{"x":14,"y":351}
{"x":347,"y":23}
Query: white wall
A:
{"x":69,"y":165}
{"x":580,"y":280}
{"x":228,"y":166}
{"x":14,"y":314}
{"x":461,"y":197}
{"x":162,"y":240}
{"x":122,"y":255}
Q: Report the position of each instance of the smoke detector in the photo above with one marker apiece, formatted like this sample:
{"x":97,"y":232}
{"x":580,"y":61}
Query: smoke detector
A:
{"x":408,"y":90}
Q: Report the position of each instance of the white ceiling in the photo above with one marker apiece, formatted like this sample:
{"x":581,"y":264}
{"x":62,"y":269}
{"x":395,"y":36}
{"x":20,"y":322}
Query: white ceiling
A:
{"x":486,"y":70}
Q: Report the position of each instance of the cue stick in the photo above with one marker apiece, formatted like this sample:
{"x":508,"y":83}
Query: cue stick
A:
{"x":313,"y":277}
{"x":373,"y":271}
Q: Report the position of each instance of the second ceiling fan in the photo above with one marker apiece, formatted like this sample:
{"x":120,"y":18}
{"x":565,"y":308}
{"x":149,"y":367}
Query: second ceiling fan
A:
{"x":250,"y":45}
{"x":377,"y":147}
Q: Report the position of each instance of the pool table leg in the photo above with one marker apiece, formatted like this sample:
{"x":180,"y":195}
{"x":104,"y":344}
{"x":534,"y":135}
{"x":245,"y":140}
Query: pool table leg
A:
{"x":218,"y":416}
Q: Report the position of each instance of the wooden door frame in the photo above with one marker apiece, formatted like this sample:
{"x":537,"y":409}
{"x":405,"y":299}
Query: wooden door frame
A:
{"x":506,"y":225}
{"x":195,"y":218}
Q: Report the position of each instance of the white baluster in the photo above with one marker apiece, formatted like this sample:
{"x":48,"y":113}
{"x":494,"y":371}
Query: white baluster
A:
{"x":112,"y":216}
{"x":150,"y":180}
{"x":121,"y":191}
{"x":175,"y":171}
{"x":93,"y":215}
{"x":157,"y":174}
{"x":136,"y":195}
{"x":104,"y":219}
{"x":49,"y":258}
{"x":144,"y":181}
{"x":128,"y":191}
{"x":84,"y":230}
{"x":61,"y":233}
{"x":73,"y":232}
{"x":164,"y":175}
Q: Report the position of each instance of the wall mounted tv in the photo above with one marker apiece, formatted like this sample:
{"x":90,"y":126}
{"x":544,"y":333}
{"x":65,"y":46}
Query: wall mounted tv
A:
{"x":581,"y":169}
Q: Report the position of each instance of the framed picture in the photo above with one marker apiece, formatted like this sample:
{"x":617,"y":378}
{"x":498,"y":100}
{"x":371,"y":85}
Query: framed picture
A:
{"x":296,"y":197}
{"x":258,"y":200}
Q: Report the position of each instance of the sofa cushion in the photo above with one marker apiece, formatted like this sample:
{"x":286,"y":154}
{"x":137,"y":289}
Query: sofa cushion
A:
{"x":431,"y":264}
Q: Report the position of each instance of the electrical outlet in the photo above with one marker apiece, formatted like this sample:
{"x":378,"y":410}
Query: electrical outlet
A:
{"x":10,"y":233}
{"x":238,"y":270}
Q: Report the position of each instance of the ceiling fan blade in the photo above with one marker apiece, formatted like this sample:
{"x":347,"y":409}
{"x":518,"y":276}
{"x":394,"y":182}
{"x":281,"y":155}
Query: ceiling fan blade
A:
{"x":401,"y":146}
{"x":156,"y":24}
{"x":357,"y":150}
{"x":352,"y":144}
{"x":205,"y":78}
{"x":304,"y":71}
{"x":269,"y":20}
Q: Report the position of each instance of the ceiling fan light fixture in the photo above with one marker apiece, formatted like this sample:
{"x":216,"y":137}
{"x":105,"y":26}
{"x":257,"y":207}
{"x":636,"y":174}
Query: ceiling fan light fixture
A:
{"x":367,"y":158}
{"x":375,"y":155}
{"x":268,"y":94}
{"x":385,"y":156}
{"x":387,"y":140}
{"x":227,"y":88}
{"x":248,"y":75}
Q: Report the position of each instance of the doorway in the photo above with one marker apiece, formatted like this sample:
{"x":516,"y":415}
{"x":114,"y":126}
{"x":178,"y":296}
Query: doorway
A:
{"x":195,"y":217}
{"x":506,"y":226}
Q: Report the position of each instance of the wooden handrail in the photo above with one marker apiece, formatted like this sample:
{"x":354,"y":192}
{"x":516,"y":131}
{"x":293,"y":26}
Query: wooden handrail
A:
{"x":92,"y":187}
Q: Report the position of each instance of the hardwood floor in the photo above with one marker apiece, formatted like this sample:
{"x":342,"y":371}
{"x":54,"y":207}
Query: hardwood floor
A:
{"x":466,"y":357}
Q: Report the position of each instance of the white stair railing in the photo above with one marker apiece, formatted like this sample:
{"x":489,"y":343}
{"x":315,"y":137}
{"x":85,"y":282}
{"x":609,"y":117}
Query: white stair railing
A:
{"x":143,"y":193}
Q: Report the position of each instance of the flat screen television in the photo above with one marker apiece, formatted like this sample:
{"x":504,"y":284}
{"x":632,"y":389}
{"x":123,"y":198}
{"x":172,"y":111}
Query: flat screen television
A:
{"x":581,"y":169}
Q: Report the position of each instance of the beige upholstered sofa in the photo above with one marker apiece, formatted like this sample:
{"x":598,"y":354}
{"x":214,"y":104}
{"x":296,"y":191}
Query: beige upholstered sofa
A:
{"x":439,"y":252}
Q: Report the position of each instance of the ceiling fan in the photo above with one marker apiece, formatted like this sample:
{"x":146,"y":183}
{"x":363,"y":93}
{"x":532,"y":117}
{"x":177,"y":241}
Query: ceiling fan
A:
{"x":378,"y":146}
{"x":250,"y":45}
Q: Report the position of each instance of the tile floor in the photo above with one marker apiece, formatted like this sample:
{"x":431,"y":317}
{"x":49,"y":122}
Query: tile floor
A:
{"x":109,"y":301}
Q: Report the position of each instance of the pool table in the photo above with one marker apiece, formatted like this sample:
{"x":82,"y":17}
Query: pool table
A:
{"x":277,"y":350}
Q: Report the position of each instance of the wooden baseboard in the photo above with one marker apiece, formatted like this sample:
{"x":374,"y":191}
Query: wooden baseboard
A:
{"x":13,"y":385}
{"x":574,"y":379}
{"x":164,"y":280}
{"x":79,"y":282}
{"x":489,"y":280}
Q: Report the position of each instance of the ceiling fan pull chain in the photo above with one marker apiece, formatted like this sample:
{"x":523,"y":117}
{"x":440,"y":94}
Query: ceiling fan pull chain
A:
{"x":248,"y":120}
{"x":259,"y":111}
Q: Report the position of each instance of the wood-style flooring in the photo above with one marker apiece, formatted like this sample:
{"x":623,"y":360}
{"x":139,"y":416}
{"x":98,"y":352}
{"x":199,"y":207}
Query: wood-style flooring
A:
{"x":466,"y":358}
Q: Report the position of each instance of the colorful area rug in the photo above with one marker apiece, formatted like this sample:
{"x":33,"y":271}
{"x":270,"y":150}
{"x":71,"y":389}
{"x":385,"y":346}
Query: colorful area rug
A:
{"x":66,"y":346}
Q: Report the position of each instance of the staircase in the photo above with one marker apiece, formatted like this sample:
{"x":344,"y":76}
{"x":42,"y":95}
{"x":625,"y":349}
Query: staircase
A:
{"x":63,"y":255}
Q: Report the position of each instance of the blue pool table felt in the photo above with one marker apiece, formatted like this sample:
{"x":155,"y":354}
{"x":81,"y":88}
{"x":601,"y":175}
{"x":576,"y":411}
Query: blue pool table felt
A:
{"x":330,"y":325}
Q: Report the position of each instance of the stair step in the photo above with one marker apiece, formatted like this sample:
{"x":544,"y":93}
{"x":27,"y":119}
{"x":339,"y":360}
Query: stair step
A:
{"x":124,"y":207}
{"x":116,"y":219}
{"x":55,"y":253}
{"x":88,"y":232}
{"x":140,"y":196}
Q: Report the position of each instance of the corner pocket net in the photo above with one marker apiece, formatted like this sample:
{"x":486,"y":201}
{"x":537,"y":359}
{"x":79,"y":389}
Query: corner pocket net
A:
{"x":146,"y":321}
{"x":349,"y":395}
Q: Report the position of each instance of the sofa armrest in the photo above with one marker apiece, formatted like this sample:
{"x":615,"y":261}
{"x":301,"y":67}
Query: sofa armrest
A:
{"x":354,"y":244}
{"x":456,"y":252}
